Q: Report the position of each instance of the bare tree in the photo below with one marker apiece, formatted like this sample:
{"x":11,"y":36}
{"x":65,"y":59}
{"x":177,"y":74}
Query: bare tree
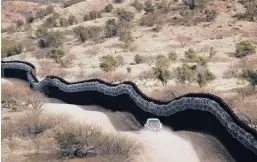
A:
{"x":184,"y":40}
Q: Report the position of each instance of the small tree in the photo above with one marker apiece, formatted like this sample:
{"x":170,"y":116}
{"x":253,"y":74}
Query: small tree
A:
{"x":191,"y":55}
{"x":251,"y":76}
{"x":72,"y":20}
{"x":138,"y":6}
{"x":108,"y":8}
{"x":212,"y":52}
{"x":55,"y":54}
{"x":139,"y":59}
{"x":204,"y":77}
{"x":244,"y":48}
{"x":184,"y":40}
{"x":51,"y":39}
{"x":185,"y":74}
{"x":111,"y":28}
{"x":108,"y":63}
{"x":161,"y":74}
{"x":125,"y":34}
{"x":41,"y":13}
{"x":150,"y":20}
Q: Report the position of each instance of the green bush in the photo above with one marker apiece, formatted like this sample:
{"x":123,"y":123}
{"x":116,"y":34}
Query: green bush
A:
{"x":55,"y":54}
{"x":72,"y":20}
{"x":125,"y":34}
{"x":149,"y":20}
{"x":149,"y":7}
{"x":204,"y":77}
{"x":139,"y":59}
{"x":108,"y":8}
{"x":111,"y":28}
{"x":138,"y":6}
{"x":244,"y":48}
{"x":10,"y":50}
{"x":173,"y":56}
{"x":6,"y":118}
{"x":64,"y":22}
{"x":125,"y":15}
{"x":108,"y":63}
{"x":93,"y":15}
{"x":210,"y":15}
{"x":251,"y":76}
{"x":85,"y":33}
{"x":161,"y":74}
{"x":29,"y":19}
{"x":185,"y":73}
{"x":51,"y":39}
{"x":192,"y":55}
{"x":162,"y":62}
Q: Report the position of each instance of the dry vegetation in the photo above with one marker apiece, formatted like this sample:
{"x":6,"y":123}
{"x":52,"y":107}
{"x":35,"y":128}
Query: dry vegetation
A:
{"x":34,"y":135}
{"x":156,"y":44}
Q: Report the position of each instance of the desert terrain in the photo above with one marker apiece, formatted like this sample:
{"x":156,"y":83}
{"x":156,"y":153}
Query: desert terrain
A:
{"x":164,"y":46}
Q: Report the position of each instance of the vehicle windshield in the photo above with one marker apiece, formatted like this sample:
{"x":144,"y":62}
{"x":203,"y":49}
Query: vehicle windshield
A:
{"x":154,"y":121}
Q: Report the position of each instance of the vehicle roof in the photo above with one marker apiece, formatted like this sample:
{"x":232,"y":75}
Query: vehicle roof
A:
{"x":153,"y":119}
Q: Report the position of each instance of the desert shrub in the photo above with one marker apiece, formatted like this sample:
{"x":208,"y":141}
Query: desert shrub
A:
{"x":162,"y":62}
{"x":92,"y":15}
{"x":119,"y":1}
{"x":41,"y":13}
{"x":13,"y":96}
{"x":108,"y":63}
{"x":71,"y":2}
{"x":108,"y":8}
{"x":183,"y":39}
{"x":185,"y":73}
{"x":251,"y":76}
{"x":51,"y":39}
{"x":111,"y":28}
{"x":29,"y":19}
{"x":158,"y":27}
{"x":161,"y":74}
{"x":64,"y":22}
{"x":19,"y":23}
{"x":125,"y":15}
{"x":164,"y":6}
{"x":85,"y":33}
{"x":138,"y":6}
{"x":173,"y":56}
{"x":129,"y":69}
{"x":49,"y":10}
{"x":204,"y":77}
{"x":11,"y":29}
{"x":6,"y":118}
{"x":149,"y":7}
{"x":202,"y":4}
{"x":149,"y":20}
{"x":191,"y":55}
{"x":125,"y":34}
{"x":139,"y":59}
{"x":251,"y":10}
{"x":212,"y":52}
{"x":244,"y":48}
{"x":41,"y":31}
{"x":11,"y":50}
{"x":210,"y":15}
{"x":55,"y":54}
{"x":72,"y":20}
{"x":50,"y":22}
